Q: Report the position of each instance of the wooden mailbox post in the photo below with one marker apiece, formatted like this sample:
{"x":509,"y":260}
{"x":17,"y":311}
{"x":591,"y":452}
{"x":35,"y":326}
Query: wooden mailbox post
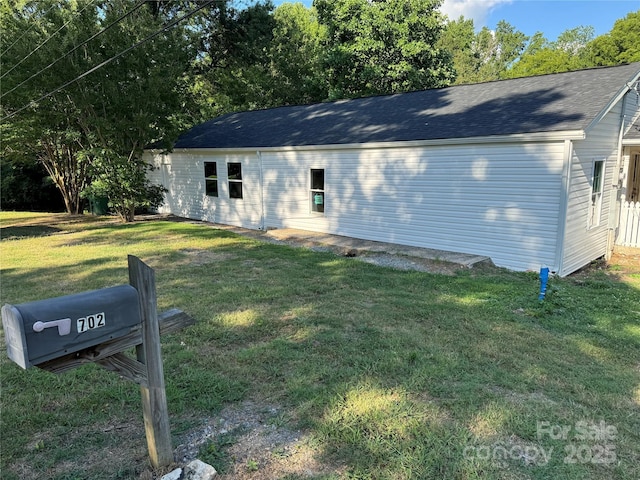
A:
{"x":146,"y":370}
{"x":154,"y":398}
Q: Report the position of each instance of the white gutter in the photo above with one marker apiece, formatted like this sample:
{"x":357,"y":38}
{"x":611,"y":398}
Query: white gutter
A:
{"x":516,"y":138}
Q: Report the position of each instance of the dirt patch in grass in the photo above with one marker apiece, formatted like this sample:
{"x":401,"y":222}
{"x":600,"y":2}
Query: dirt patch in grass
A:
{"x":625,"y":260}
{"x":403,"y":262}
{"x":253,"y":440}
{"x":201,"y":257}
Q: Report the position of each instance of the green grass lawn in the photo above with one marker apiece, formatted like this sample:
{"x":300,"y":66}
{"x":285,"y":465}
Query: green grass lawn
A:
{"x":391,"y":374}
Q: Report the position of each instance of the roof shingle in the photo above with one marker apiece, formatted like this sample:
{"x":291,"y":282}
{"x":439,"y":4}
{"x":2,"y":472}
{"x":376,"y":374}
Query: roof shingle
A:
{"x":546,"y":103}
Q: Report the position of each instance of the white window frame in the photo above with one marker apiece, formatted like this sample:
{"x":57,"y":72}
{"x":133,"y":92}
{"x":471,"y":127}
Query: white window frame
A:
{"x":596,"y":193}
{"x":315,"y":208}
{"x":211,"y":180}
{"x":237,"y":182}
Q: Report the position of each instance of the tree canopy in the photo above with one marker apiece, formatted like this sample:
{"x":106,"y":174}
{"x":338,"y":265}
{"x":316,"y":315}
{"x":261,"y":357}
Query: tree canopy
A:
{"x":81,"y":131}
{"x":88,"y":84}
{"x":376,"y":47}
{"x":620,"y":45}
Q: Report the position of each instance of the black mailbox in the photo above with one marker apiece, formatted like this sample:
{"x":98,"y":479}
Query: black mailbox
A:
{"x":39,"y":331}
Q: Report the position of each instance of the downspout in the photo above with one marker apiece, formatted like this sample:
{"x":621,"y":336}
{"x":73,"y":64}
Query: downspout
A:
{"x":564,"y":204}
{"x":261,"y":226}
{"x":614,"y":199}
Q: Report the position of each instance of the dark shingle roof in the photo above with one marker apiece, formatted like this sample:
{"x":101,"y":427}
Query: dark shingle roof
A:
{"x":563,"y":101}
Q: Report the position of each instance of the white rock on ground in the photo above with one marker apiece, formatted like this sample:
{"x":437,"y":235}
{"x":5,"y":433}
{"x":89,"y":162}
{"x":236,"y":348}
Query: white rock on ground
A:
{"x":198,"y":470}
{"x":195,"y":470}
{"x":175,"y":475}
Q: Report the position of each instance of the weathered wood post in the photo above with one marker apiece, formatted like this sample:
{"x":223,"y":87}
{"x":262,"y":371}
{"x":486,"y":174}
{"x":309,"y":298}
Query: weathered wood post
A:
{"x":154,"y":397}
{"x":125,"y":321}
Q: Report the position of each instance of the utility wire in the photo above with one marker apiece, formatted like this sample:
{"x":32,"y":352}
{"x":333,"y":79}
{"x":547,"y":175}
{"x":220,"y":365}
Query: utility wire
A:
{"x":106,"y":62}
{"x":27,"y":30}
{"x":43,"y":43}
{"x":122,"y":17}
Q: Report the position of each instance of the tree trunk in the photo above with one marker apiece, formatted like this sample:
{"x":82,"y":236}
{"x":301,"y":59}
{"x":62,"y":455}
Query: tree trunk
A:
{"x":67,"y":172}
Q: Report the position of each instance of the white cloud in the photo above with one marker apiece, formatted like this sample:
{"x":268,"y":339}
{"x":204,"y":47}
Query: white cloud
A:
{"x":478,"y":10}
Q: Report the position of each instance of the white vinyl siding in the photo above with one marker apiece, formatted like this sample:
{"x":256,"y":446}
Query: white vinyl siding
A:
{"x":631,"y":105}
{"x":584,"y":244}
{"x":182,"y":174}
{"x":502,"y":200}
{"x":496,"y":200}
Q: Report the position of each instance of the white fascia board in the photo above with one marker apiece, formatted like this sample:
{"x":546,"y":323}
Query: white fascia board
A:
{"x":516,"y":138}
{"x":620,"y":95}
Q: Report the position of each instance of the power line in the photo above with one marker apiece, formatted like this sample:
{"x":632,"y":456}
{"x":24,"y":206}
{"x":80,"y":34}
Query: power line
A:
{"x":43,"y":43}
{"x":106,"y":62}
{"x":122,"y":17}
{"x":27,"y":30}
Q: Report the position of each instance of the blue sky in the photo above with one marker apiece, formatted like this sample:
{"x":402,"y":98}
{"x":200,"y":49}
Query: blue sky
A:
{"x":551,"y":17}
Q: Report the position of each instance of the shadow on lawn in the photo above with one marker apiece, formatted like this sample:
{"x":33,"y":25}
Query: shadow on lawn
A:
{"x":415,"y":367}
{"x":392,"y":371}
{"x":18,"y":232}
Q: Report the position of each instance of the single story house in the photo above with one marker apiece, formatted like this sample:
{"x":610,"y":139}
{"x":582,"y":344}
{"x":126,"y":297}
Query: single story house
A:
{"x":530,"y":171}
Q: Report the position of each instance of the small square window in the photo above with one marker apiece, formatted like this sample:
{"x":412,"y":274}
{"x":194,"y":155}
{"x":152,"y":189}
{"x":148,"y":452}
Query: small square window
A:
{"x":234,"y":171}
{"x":317,"y":179}
{"x":235,"y":189}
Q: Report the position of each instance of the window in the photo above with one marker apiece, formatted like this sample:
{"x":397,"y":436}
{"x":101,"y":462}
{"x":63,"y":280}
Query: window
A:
{"x":317,"y":190}
{"x":211,"y":178}
{"x":234,"y":174}
{"x":633,"y":185}
{"x":597,"y":185}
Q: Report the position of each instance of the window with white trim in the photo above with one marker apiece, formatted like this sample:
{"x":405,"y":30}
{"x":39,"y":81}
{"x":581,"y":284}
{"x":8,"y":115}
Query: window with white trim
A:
{"x":317,"y":190}
{"x":597,"y":187}
{"x":234,"y":175}
{"x":211,"y":178}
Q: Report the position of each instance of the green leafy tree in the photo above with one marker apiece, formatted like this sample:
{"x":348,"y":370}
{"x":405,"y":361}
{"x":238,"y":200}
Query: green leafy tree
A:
{"x":136,"y":100}
{"x":101,"y":121}
{"x":482,"y":56}
{"x":569,"y":52}
{"x":45,"y":131}
{"x":620,"y":45}
{"x":233,"y":68}
{"x":296,"y":52}
{"x":124,"y":182}
{"x":458,"y":38}
{"x":378,"y":47}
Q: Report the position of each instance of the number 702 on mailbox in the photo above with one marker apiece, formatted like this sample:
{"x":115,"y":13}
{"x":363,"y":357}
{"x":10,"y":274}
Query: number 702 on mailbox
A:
{"x":91,"y":322}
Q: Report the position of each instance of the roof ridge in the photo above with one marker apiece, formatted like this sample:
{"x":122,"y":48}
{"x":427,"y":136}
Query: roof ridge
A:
{"x":382,"y":95}
{"x":567,"y":101}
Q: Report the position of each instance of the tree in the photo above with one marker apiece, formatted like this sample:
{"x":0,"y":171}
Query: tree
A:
{"x":124,"y":182}
{"x":482,"y":56}
{"x":620,"y":45}
{"x":104,"y":120}
{"x":45,"y":132}
{"x":295,"y":54}
{"x":379,"y":47}
{"x":569,"y":52}
{"x":458,"y":38}
{"x":233,"y":68}
{"x":137,"y":100}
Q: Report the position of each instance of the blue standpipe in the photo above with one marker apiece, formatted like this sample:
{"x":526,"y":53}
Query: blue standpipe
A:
{"x":544,"y":278}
